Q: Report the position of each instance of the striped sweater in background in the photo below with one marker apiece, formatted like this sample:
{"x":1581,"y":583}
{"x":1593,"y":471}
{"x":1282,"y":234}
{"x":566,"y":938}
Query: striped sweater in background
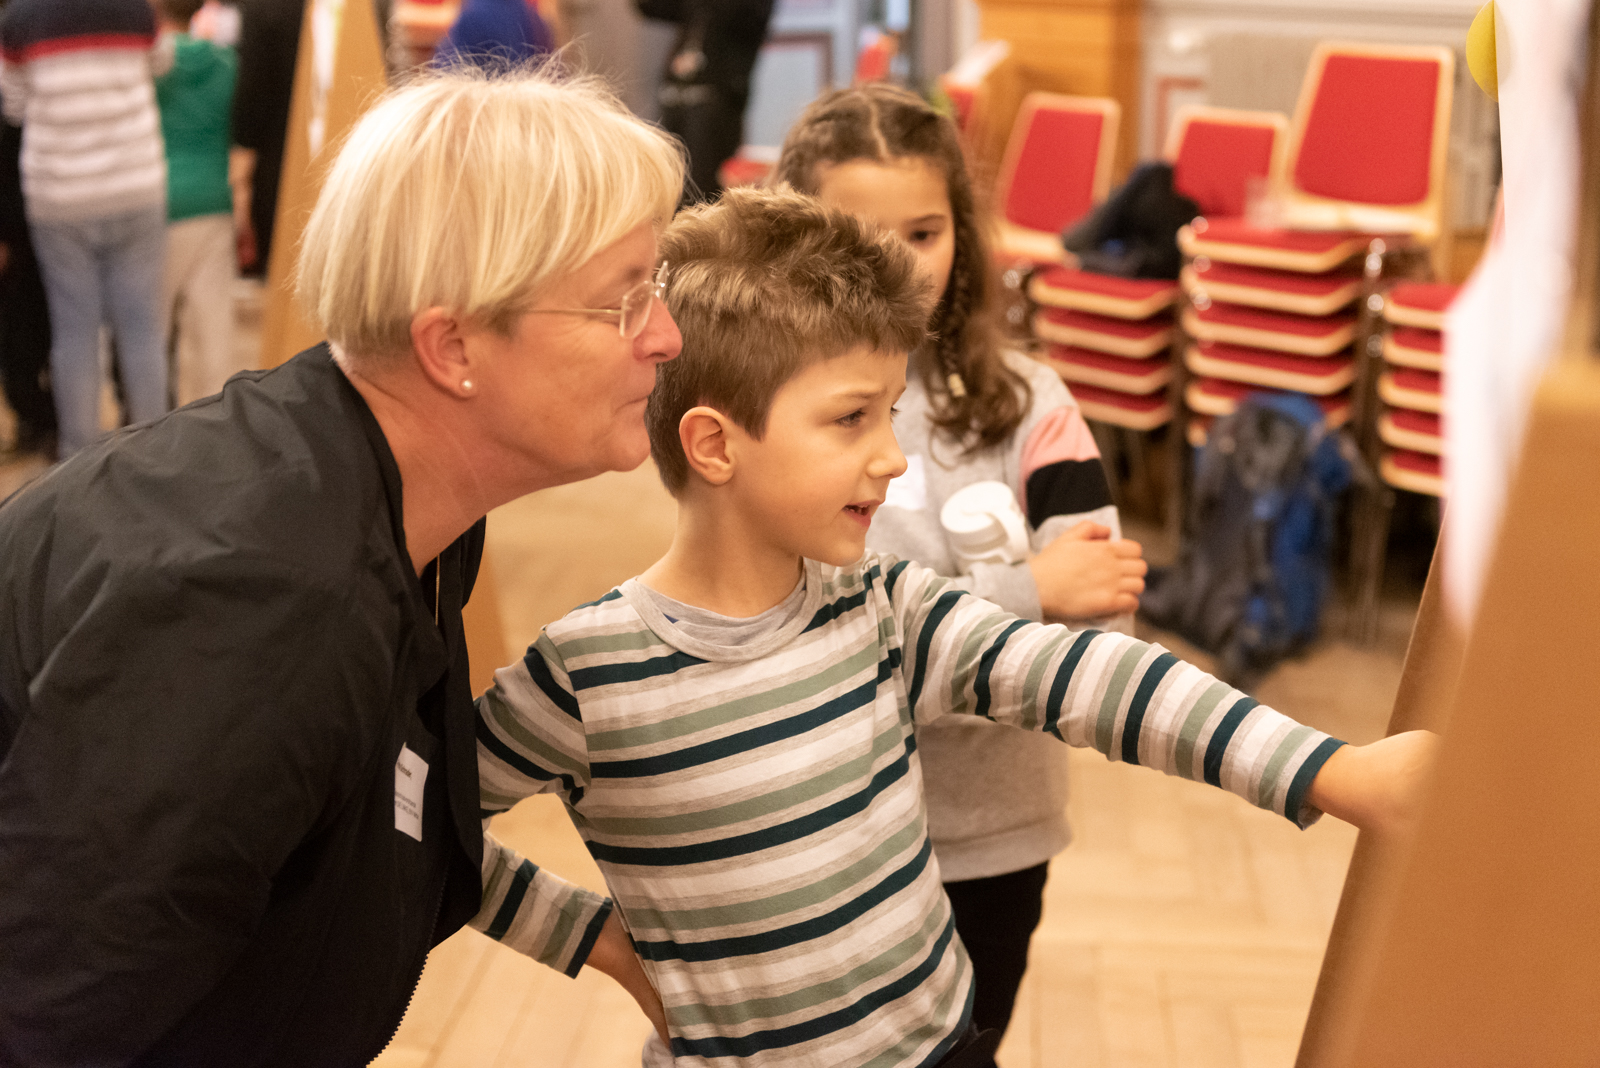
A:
{"x":757,"y":808}
{"x":77,"y":77}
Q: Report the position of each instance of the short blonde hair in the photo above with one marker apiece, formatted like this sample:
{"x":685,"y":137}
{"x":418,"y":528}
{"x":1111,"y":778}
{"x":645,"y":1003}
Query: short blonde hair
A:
{"x":471,"y":191}
{"x":764,"y":284}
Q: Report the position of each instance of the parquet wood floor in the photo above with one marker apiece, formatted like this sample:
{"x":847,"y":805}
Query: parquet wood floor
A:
{"x":1182,"y":929}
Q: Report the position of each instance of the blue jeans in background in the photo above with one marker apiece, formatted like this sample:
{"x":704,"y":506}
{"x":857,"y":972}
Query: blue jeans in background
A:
{"x":105,"y":270}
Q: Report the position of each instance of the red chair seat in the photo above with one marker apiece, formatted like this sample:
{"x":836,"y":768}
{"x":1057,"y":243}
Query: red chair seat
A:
{"x":1288,"y":291}
{"x":1085,"y":366}
{"x":1408,"y":469}
{"x":1407,"y":387}
{"x":1419,"y":304}
{"x":1317,"y":375}
{"x":1410,"y":346}
{"x":1304,"y":335}
{"x":1120,"y":337}
{"x":1102,"y":294}
{"x":1123,"y":409}
{"x":1418,"y":431}
{"x":1234,"y":240}
{"x":1218,"y":396}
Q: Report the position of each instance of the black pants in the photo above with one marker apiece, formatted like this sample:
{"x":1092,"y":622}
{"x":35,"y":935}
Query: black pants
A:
{"x":975,"y":1049}
{"x":25,"y":348}
{"x":996,"y":918}
{"x":710,"y":121}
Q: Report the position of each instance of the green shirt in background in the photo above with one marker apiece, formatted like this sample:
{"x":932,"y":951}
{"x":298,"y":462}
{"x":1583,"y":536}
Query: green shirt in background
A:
{"x":196,"y":99}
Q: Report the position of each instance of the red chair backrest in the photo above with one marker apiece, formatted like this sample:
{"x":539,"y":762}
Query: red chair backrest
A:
{"x":1052,"y":184}
{"x":874,"y":60}
{"x":1369,"y":134}
{"x":962,"y":98}
{"x":1216,"y":160}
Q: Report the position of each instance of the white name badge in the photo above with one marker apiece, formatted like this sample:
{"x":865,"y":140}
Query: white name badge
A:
{"x":910,"y":490}
{"x":410,"y":772}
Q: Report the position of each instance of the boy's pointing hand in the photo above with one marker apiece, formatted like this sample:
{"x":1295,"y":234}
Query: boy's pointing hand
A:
{"x":1378,"y":787}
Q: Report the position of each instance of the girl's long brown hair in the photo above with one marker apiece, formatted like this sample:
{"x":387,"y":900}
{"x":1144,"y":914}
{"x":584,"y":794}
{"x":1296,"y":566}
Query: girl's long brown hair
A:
{"x":884,"y":123}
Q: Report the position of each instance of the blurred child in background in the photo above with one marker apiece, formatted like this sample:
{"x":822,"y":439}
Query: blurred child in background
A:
{"x":495,"y":32}
{"x":196,"y":100}
{"x":77,"y":79}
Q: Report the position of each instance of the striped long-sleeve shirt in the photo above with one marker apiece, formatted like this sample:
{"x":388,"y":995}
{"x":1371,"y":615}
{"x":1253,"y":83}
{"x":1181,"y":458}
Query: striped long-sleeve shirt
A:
{"x":757,"y":809}
{"x":77,"y":77}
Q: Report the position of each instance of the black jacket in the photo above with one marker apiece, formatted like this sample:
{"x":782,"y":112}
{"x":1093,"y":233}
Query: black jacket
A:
{"x":212,"y":650}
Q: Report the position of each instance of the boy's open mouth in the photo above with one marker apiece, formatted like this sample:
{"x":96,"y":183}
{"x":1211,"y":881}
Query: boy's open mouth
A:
{"x":865,"y":511}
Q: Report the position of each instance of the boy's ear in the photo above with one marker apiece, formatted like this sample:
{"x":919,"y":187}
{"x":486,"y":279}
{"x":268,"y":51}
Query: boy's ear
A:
{"x":704,"y":434}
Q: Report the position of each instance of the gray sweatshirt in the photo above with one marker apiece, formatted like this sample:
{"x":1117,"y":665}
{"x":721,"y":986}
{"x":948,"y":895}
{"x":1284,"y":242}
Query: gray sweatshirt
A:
{"x":996,"y":796}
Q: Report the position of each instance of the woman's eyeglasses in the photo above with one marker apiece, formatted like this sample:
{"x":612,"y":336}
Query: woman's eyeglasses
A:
{"x":637,"y":303}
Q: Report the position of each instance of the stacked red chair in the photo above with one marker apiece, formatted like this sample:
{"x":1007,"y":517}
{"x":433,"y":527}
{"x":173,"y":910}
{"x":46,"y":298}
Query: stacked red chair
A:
{"x":1274,"y":292}
{"x":967,"y":86}
{"x":1056,"y":167}
{"x":1407,"y":442}
{"x":1411,"y":389}
{"x":1112,"y":338}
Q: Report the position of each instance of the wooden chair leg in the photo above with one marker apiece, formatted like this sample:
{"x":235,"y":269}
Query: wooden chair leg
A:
{"x":1369,"y":538}
{"x":1139,"y":486}
{"x":1180,"y":478}
{"x":1110,"y":446}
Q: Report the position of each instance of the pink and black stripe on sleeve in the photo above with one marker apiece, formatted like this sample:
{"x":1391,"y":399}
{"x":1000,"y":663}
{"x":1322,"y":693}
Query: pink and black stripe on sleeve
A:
{"x":1061,"y":470}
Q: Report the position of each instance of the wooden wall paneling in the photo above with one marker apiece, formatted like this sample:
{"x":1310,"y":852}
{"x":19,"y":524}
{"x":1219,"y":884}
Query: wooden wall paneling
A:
{"x":358,"y":79}
{"x":481,"y":619}
{"x":1079,"y":47}
{"x":1004,"y":89}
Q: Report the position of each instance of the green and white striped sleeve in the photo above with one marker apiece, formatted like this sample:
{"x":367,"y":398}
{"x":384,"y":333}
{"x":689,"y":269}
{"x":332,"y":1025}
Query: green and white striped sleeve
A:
{"x":531,"y":740}
{"x":530,"y":732}
{"x":1133,"y":701}
{"x":538,"y":914}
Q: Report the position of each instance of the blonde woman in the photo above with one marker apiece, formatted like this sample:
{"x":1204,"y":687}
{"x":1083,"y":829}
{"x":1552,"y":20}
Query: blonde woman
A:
{"x":238,"y":781}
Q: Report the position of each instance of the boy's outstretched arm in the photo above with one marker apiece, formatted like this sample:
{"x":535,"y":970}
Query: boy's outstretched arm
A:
{"x":1138,"y":703}
{"x":1379,"y":786}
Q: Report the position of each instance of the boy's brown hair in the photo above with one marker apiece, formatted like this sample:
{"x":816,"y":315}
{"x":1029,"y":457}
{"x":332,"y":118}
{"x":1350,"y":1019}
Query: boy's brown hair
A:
{"x":763,"y":284}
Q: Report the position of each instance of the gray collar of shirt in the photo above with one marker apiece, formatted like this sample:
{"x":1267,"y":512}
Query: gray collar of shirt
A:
{"x":712,"y":636}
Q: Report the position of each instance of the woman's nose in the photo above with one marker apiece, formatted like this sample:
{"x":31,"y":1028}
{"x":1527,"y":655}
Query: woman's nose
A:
{"x":660,"y":339}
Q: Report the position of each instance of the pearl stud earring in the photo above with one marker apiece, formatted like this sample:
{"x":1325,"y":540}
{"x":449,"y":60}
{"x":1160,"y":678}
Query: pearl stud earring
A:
{"x":466,"y":385}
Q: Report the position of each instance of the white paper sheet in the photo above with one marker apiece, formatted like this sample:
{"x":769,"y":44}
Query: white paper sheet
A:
{"x":1506,"y":326}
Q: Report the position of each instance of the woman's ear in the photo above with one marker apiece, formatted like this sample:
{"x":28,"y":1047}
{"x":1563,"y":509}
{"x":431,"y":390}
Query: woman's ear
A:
{"x":704,"y":433}
{"x":440,"y":349}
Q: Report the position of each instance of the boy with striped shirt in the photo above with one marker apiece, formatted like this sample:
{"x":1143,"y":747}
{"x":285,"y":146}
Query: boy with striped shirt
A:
{"x":732,"y":731}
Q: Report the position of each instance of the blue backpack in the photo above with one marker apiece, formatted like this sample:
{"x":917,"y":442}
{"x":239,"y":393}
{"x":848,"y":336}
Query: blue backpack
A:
{"x":1253,"y":567}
